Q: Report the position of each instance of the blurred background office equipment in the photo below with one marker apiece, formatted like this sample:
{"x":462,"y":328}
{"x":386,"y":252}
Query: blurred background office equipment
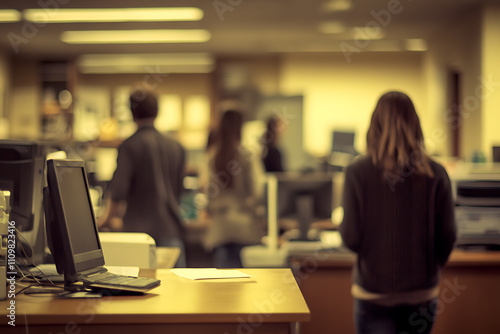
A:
{"x":478,"y":212}
{"x":343,"y":141}
{"x":496,"y":153}
{"x":304,"y":199}
{"x":22,"y":174}
{"x":342,"y":151}
{"x":299,"y":207}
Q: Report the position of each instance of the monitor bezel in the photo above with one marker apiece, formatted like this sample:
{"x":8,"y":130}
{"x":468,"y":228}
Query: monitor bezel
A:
{"x":65,"y":257}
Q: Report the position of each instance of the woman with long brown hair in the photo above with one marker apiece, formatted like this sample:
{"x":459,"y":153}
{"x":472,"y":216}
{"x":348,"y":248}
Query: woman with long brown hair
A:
{"x":399,"y":220}
{"x":234,"y":189}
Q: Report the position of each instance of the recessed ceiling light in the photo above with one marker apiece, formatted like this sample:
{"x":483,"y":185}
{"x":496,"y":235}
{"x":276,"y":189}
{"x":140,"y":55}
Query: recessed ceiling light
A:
{"x":146,"y":62}
{"x":337,"y":5}
{"x":136,"y":36}
{"x":66,"y":15}
{"x":9,"y":15}
{"x":332,"y":27}
{"x":416,"y":44}
{"x":367,"y":33}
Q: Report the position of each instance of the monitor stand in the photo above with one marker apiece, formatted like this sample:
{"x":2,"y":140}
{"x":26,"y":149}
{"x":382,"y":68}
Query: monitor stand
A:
{"x":305,"y":209}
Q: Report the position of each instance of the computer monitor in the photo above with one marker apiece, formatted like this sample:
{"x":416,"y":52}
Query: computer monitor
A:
{"x":343,"y":141}
{"x":496,"y":153}
{"x":71,"y":226}
{"x":22,"y":174}
{"x":305,"y":198}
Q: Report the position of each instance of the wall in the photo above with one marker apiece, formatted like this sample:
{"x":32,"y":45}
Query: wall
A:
{"x":110,"y":86}
{"x":455,"y":49}
{"x":24,"y":103}
{"x":338,"y":95}
{"x":491,"y":76}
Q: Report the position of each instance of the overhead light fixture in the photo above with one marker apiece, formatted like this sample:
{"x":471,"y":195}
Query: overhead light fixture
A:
{"x":337,"y":5}
{"x":332,"y":27}
{"x":146,"y":63}
{"x":9,"y":15}
{"x":416,"y":44}
{"x":136,"y":36}
{"x":367,"y":33}
{"x":68,"y":15}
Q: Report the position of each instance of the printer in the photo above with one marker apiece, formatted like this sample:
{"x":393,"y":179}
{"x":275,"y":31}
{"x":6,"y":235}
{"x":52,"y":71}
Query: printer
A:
{"x":477,"y":212}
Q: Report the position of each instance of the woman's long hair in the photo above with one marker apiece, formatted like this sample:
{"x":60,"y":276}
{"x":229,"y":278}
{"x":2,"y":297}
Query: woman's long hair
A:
{"x":394,"y":140}
{"x":228,"y":140}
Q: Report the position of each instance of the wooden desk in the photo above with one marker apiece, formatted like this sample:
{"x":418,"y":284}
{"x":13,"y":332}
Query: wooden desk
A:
{"x":267,"y":303}
{"x":469,"y":300}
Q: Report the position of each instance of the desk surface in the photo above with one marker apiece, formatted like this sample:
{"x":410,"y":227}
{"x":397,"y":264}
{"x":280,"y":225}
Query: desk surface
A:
{"x":272,"y":295}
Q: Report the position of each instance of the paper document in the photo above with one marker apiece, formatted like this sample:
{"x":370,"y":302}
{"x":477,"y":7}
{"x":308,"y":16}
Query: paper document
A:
{"x":209,"y":273}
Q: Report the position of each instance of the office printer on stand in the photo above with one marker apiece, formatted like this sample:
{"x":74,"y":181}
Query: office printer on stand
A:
{"x":477,"y":213}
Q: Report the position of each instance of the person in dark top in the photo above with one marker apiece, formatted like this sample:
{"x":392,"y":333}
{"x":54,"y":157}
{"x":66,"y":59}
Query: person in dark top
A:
{"x":399,"y":220}
{"x":148,"y":180}
{"x":271,"y":155}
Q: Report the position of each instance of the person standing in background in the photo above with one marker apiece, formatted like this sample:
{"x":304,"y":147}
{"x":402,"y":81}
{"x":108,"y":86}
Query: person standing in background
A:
{"x":148,"y":180}
{"x":272,"y":156}
{"x":234,"y":190}
{"x":399,"y":220}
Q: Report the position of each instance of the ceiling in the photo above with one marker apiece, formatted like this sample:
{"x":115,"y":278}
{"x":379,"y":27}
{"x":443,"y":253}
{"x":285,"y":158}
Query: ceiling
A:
{"x":245,"y":26}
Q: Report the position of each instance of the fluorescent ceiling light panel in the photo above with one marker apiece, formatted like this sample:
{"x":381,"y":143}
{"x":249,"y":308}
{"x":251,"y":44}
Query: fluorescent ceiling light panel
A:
{"x":136,"y":36}
{"x":416,"y":44}
{"x":337,"y":5}
{"x":9,"y":15}
{"x":367,"y":33}
{"x":146,"y":63}
{"x":66,"y":15}
{"x":331,"y":27}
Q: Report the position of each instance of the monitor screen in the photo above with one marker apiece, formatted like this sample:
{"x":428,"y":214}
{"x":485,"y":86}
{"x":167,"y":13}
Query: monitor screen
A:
{"x":71,"y":225}
{"x":305,"y":198}
{"x":343,"y":142}
{"x":496,"y":153}
{"x":22,"y":175}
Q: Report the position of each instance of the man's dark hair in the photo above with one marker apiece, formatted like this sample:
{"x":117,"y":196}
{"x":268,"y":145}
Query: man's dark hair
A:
{"x":143,"y":104}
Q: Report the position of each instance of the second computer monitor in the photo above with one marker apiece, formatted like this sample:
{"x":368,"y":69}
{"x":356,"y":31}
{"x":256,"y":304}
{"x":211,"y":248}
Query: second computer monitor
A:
{"x":305,"y":198}
{"x":343,"y":141}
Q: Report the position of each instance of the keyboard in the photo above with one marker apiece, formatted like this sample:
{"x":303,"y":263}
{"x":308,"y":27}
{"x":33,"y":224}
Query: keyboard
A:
{"x":121,"y":281}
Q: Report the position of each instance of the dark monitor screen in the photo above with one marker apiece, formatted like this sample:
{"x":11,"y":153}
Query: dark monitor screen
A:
{"x":496,"y":153}
{"x":18,"y":171}
{"x":71,"y":225}
{"x":343,"y":142}
{"x":22,"y":174}
{"x":305,"y":198}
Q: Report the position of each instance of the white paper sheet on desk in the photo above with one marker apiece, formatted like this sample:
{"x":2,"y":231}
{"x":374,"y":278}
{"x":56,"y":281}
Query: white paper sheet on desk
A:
{"x":209,"y":273}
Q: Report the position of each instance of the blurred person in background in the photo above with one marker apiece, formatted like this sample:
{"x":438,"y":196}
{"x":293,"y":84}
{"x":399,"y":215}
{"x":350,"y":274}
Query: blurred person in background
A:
{"x":272,"y":156}
{"x":148,"y":181}
{"x":234,"y":191}
{"x":399,"y":220}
